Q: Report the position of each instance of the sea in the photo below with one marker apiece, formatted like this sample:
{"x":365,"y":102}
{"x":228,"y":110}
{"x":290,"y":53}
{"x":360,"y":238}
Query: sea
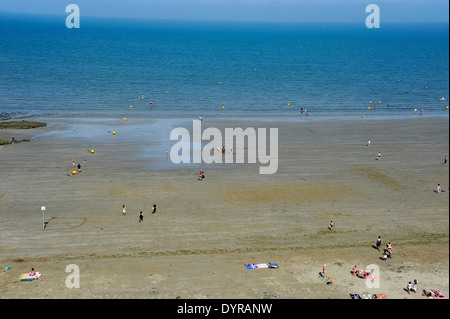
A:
{"x":163,"y":68}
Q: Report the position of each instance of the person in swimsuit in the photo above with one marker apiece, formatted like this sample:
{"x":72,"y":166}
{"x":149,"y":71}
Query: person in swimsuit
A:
{"x":141,"y":217}
{"x":154,"y":208}
{"x":124,"y":210}
{"x":379,"y":243}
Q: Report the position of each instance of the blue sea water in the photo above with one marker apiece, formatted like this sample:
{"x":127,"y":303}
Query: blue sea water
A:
{"x":187,"y":68}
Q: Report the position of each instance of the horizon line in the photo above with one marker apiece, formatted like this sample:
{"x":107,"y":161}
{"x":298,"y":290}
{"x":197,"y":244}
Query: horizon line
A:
{"x":148,"y":19}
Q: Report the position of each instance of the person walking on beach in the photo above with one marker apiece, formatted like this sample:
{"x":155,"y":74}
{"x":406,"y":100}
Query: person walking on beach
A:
{"x":415,"y":285}
{"x":445,"y":160}
{"x":368,"y":142}
{"x":323,"y":269}
{"x":154,"y":208}
{"x":379,"y":156}
{"x":331,"y":225}
{"x":141,"y":217}
{"x":124,"y":210}
{"x":438,"y":188}
{"x":379,"y":243}
{"x":409,"y":288}
{"x":79,"y":168}
{"x":84,"y":163}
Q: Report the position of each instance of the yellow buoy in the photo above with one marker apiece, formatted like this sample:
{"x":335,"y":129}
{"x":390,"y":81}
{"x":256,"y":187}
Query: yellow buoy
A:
{"x":131,"y":106}
{"x":124,"y":118}
{"x":114,"y":133}
{"x":446,"y":107}
{"x":289,"y":104}
{"x":223,"y":107}
{"x":368,"y":108}
{"x":92,"y":151}
{"x":74,"y":172}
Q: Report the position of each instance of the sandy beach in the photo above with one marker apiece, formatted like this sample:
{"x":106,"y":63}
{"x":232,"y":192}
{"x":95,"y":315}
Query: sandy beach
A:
{"x":204,"y":232}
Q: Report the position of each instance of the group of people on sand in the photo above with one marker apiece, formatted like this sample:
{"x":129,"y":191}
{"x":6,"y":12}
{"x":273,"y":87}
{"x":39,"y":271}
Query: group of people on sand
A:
{"x":201,"y":176}
{"x":75,"y":165}
{"x":412,"y":287}
{"x":433,"y":294}
{"x":387,"y":252}
{"x":361,"y":273}
{"x":141,"y":214}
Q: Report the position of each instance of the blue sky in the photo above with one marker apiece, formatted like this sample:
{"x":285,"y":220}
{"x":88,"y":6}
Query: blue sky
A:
{"x":409,"y":11}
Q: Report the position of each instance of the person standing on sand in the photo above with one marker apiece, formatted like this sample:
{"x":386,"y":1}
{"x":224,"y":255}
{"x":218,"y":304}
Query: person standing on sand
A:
{"x":84,"y":163}
{"x":415,"y":285}
{"x":379,"y":243}
{"x":438,"y":188}
{"x":141,"y":217}
{"x":323,"y":269}
{"x":445,"y":160}
{"x":379,"y":156}
{"x":368,"y":142}
{"x":409,"y":288}
{"x":331,"y":225}
{"x":154,"y":208}
{"x":124,"y":210}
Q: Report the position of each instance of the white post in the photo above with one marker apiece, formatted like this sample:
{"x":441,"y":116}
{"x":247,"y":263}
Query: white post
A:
{"x":43,"y":214}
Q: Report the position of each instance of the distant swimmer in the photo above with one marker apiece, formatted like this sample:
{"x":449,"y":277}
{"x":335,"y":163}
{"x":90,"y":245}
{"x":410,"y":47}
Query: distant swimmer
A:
{"x":443,"y":99}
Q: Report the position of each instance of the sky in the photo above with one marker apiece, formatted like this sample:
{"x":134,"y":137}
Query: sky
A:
{"x":321,"y":11}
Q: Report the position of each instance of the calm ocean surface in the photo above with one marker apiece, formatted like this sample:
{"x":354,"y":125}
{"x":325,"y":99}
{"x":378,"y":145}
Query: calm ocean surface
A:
{"x":192,"y":68}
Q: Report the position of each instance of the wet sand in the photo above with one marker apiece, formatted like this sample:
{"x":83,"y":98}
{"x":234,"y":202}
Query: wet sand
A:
{"x":205,"y":231}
